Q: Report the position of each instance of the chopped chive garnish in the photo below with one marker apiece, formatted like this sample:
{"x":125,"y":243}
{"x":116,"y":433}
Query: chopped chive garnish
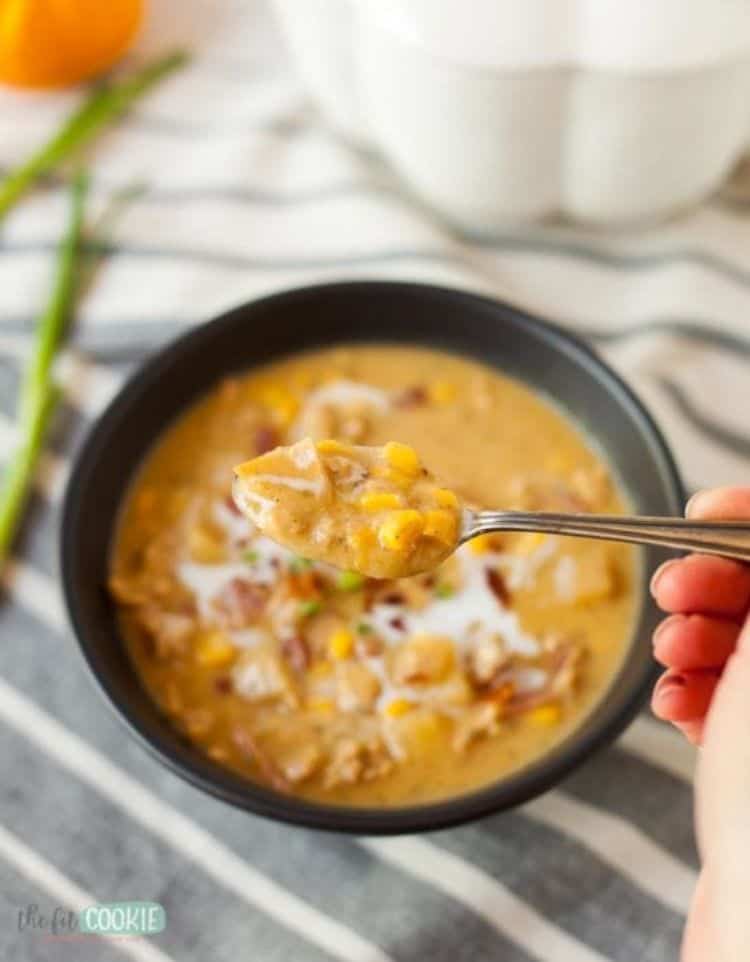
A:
{"x":363,"y":628}
{"x":349,"y":580}
{"x":298,"y":565}
{"x":250,"y":556}
{"x":444,"y":591}
{"x":308,"y":608}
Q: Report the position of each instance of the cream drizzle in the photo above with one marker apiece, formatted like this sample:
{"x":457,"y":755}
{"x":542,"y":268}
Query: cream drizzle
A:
{"x":474,"y":605}
{"x":237,"y":527}
{"x":208,"y":581}
{"x":348,"y":392}
{"x":312,"y":485}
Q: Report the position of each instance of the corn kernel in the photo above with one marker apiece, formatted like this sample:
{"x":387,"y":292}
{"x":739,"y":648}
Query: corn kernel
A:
{"x":322,"y":706}
{"x":441,"y":525}
{"x":379,"y":501}
{"x":215,"y":650}
{"x":445,"y":498}
{"x":362,"y":541}
{"x":528,"y":542}
{"x":402,"y":458}
{"x":401,"y":530}
{"x":441,"y":392}
{"x":392,"y":476}
{"x":546,"y":716}
{"x":341,"y":644}
{"x":204,"y":547}
{"x":397,"y":707}
{"x":331,"y":446}
{"x":320,"y":670}
{"x":425,"y":731}
{"x":283,"y":404}
{"x":482,"y":544}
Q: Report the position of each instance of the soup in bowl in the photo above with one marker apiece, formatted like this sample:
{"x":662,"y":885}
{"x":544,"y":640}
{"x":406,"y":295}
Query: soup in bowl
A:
{"x":329,"y":691}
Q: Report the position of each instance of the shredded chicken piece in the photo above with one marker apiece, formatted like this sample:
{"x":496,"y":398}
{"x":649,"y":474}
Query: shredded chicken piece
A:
{"x":565,"y":668}
{"x":249,"y":745}
{"x":487,"y":657}
{"x":479,"y":721}
{"x":259,"y":675}
{"x":424,"y":659}
{"x":241,"y":603}
{"x":296,"y":652}
{"x":356,"y":760}
{"x":170,"y":631}
{"x":357,"y":688}
{"x":564,"y":660}
{"x":302,"y":763}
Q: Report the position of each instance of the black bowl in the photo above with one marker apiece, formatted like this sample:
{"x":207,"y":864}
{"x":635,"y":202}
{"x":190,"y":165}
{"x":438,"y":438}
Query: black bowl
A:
{"x":536,"y":352}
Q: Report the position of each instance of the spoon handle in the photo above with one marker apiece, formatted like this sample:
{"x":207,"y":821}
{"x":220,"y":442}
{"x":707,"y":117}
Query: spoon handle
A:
{"x":731,"y":539}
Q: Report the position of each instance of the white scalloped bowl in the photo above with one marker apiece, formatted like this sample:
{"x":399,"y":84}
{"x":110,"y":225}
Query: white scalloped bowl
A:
{"x":605,"y":111}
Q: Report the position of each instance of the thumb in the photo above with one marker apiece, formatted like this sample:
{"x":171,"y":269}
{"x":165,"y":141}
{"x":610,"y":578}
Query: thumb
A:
{"x":723,"y":802}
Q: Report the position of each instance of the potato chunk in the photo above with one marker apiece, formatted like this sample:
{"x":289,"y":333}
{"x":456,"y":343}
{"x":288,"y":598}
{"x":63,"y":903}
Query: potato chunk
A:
{"x":424,"y":659}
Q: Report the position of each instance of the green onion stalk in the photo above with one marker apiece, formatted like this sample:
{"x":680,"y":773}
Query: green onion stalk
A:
{"x":39,"y":392}
{"x":105,"y":104}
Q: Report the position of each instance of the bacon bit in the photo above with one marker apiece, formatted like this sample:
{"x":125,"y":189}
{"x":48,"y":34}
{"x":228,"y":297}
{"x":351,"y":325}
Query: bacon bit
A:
{"x":398,"y":624}
{"x":230,"y":505}
{"x":223,"y":685}
{"x":500,"y":695}
{"x":563,"y":665}
{"x":496,"y":584}
{"x":296,"y":653}
{"x":305,"y":584}
{"x":265,"y":439}
{"x":526,"y":701}
{"x":411,"y":397}
{"x":241,"y":603}
{"x":392,"y":598}
{"x":429,"y":581}
{"x":249,"y":746}
{"x":369,"y":593}
{"x":369,"y":646}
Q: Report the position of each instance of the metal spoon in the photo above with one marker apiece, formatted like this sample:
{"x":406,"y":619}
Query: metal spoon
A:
{"x":730,"y":539}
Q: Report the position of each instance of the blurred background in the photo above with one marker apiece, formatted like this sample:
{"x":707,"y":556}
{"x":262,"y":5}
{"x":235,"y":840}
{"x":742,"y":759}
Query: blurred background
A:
{"x":585,"y":168}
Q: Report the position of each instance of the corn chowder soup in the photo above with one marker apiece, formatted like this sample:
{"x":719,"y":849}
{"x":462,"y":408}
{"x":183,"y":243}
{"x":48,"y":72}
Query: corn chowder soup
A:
{"x":357,"y":690}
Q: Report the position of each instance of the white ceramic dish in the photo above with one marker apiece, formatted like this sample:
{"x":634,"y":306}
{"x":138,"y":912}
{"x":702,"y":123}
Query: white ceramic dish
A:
{"x":516,"y":109}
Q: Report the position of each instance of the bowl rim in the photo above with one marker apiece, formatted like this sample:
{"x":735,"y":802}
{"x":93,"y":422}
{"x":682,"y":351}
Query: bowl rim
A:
{"x":514,"y":789}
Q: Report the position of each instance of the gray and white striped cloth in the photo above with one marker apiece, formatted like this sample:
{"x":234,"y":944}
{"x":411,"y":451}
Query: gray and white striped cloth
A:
{"x":249,"y":193}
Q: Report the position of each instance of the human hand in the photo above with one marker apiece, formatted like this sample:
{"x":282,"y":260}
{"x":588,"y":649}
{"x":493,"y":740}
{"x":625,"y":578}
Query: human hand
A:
{"x":705,"y":692}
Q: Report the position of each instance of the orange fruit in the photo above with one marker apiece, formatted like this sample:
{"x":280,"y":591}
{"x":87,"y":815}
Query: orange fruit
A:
{"x":54,"y":43}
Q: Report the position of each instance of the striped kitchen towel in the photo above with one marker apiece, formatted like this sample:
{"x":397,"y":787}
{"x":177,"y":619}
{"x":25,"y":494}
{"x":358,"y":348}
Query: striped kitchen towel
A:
{"x":247,"y":192}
